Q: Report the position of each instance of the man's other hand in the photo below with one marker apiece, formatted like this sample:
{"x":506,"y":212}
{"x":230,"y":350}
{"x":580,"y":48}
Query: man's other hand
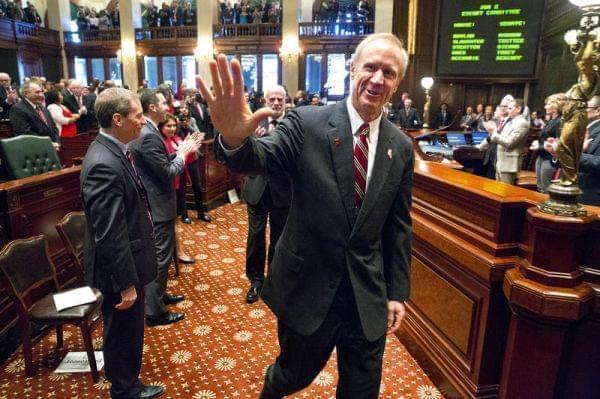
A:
{"x":396,"y":312}
{"x":128,"y":297}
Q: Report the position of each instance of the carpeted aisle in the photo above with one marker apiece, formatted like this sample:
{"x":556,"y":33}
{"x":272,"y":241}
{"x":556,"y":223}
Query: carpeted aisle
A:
{"x":222,"y":347}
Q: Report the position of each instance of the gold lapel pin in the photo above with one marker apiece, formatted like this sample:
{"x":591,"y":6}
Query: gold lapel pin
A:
{"x":389,"y":153}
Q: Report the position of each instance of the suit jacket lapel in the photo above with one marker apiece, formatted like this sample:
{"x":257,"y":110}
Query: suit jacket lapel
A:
{"x":341,"y":145}
{"x":381,"y":167}
{"x":117,"y":151}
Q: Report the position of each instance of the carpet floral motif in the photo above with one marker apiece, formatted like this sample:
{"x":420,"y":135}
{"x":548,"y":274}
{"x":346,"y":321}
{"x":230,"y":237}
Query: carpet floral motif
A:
{"x":222,"y":347}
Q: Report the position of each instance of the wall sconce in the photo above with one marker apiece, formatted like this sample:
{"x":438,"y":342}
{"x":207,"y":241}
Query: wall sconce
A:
{"x":128,"y":52}
{"x":204,"y":52}
{"x":289,"y":50}
{"x":426,"y":83}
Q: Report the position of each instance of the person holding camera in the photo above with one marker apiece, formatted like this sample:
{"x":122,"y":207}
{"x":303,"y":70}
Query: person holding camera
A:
{"x":185,"y":127}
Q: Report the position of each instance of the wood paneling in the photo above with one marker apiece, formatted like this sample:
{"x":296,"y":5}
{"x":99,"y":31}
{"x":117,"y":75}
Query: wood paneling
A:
{"x":499,"y":298}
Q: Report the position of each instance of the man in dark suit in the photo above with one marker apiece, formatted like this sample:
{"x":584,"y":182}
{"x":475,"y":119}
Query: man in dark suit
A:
{"x":8,"y":95}
{"x":119,"y":253}
{"x":200,"y":113}
{"x":589,"y":164}
{"x":157,"y":169}
{"x":442,"y":117}
{"x":267,"y":197}
{"x":408,"y":117}
{"x":30,"y":116}
{"x":73,"y":99}
{"x":340,"y":273}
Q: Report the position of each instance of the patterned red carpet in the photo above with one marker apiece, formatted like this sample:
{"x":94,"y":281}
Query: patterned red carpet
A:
{"x":221,"y":349}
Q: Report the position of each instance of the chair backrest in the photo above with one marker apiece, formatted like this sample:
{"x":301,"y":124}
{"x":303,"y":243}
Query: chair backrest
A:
{"x":26,"y":155}
{"x":28,"y":269}
{"x":71,"y":229}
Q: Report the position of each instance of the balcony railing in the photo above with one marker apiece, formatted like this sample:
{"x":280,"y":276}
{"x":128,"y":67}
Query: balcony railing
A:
{"x":166,"y":33}
{"x":26,"y":32}
{"x":336,"y":28}
{"x":93,"y":36}
{"x":242,"y":30}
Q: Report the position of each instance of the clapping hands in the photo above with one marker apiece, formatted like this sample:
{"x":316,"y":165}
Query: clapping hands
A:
{"x":190,"y":144}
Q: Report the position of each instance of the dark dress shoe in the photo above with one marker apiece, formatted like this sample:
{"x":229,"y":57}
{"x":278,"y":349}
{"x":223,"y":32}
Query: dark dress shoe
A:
{"x":204,"y":217}
{"x":252,"y":294}
{"x":186,"y":259}
{"x":186,"y":220}
{"x":167,"y":318}
{"x":173,"y":299}
{"x":151,"y":391}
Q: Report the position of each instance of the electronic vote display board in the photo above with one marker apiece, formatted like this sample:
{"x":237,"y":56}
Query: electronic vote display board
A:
{"x":488,"y":38}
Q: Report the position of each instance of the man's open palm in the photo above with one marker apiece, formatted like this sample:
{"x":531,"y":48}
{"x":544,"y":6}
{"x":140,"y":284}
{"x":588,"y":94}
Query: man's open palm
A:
{"x":230,"y":113}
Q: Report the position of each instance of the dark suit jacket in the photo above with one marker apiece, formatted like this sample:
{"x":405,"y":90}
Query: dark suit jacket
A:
{"x":157,"y":169}
{"x":277,"y":183}
{"x":440,"y":120}
{"x":412,"y":120}
{"x":325,"y":236}
{"x":589,"y":173}
{"x":25,"y":120}
{"x":70,"y":102}
{"x":119,"y":249}
{"x":4,"y":106}
{"x":202,"y":121}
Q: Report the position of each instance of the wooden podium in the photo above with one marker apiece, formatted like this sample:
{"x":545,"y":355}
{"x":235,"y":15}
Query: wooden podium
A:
{"x":504,"y":299}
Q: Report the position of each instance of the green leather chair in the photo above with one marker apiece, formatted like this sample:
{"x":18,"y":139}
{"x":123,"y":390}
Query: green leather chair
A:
{"x":25,"y":156}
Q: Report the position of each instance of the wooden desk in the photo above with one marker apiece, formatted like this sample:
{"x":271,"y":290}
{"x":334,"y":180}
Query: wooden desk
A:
{"x":32,"y":206}
{"x":216,"y":178}
{"x":74,"y":148}
{"x":5,"y":129}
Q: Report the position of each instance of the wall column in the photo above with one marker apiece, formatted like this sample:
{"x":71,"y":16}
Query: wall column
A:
{"x":384,"y":13}
{"x":59,"y":18}
{"x":130,"y":18}
{"x":290,"y":43}
{"x":204,"y":52}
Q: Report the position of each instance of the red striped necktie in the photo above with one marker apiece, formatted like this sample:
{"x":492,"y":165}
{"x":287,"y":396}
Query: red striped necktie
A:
{"x":42,"y":115}
{"x":361,"y":163}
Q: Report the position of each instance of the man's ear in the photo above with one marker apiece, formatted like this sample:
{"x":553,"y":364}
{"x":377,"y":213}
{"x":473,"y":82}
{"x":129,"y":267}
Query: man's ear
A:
{"x":117,"y":119}
{"x":352,"y":69}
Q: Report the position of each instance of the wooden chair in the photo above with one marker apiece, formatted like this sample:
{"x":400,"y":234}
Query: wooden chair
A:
{"x":32,"y":280}
{"x":71,"y":229}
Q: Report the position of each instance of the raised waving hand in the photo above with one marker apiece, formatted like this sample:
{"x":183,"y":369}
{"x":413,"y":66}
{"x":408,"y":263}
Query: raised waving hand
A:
{"x":230,"y":113}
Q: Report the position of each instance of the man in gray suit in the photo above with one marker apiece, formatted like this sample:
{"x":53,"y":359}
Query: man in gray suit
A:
{"x":510,"y":141}
{"x":341,"y":269}
{"x":157,"y":169}
{"x":267,"y":197}
{"x":119,"y":253}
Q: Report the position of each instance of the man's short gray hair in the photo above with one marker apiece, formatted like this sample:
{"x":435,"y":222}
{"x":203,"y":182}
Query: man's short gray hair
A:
{"x":388,"y":37}
{"x":113,"y":101}
{"x":27,"y":87}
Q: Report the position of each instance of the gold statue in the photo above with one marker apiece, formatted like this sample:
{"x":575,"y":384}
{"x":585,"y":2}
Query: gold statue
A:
{"x":574,"y":127}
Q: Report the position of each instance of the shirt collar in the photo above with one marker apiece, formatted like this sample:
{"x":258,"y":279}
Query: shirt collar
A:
{"x":115,"y":140}
{"x":356,"y":121}
{"x":150,"y":121}
{"x":30,"y":103}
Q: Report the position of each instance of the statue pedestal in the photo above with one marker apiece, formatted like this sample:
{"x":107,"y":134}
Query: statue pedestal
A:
{"x":563,"y":201}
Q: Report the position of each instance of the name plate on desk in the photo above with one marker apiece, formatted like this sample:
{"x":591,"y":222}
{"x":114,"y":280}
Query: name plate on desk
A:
{"x":53,"y":192}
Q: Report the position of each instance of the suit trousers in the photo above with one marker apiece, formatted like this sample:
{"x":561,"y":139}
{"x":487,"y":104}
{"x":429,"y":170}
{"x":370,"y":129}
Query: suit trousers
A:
{"x":123,"y":338}
{"x":302,"y":357}
{"x":164,"y":237}
{"x":196,"y":181}
{"x":256,"y":243}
